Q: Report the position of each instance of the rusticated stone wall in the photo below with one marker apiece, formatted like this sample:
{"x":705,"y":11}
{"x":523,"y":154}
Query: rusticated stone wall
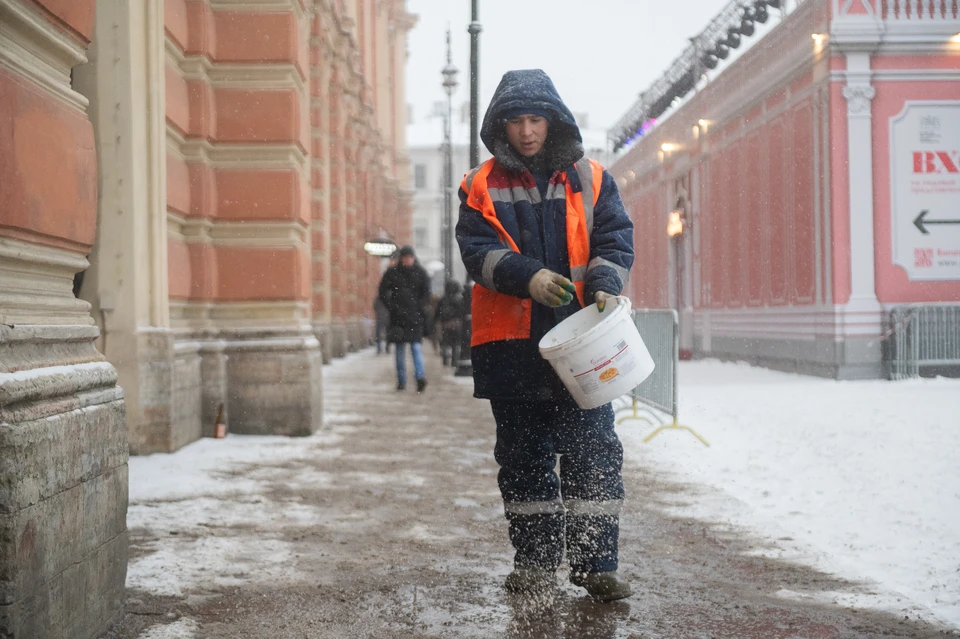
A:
{"x":63,"y":440}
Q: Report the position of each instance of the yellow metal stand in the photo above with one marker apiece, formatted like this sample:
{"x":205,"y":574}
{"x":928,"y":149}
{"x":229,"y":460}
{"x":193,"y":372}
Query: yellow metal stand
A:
{"x":675,"y":426}
{"x":635,"y":415}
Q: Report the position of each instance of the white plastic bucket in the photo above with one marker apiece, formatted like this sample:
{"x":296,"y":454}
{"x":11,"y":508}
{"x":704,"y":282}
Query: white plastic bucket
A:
{"x":599,"y":356}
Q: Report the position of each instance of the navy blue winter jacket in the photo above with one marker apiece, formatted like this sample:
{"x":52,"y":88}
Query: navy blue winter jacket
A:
{"x":514,"y":369}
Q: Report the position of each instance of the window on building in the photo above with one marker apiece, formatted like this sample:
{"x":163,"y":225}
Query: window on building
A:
{"x":421,"y":238}
{"x":420,"y":176}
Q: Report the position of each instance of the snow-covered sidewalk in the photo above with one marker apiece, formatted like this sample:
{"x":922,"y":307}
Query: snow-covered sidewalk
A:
{"x":858,"y":479}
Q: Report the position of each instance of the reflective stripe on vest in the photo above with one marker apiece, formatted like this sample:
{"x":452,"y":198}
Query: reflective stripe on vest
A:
{"x":496,"y":316}
{"x":580,"y":208}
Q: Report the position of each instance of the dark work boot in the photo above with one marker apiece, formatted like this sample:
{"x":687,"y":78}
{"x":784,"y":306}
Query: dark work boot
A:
{"x":602,"y":586}
{"x":530,"y":579}
{"x":421,"y":385}
{"x":401,"y":386}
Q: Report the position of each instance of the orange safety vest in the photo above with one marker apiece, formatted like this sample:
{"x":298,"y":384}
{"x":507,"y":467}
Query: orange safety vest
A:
{"x":496,"y":316}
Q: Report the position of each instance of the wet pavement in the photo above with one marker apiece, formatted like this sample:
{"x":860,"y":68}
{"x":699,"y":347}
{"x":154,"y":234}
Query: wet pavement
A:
{"x":391,"y":526}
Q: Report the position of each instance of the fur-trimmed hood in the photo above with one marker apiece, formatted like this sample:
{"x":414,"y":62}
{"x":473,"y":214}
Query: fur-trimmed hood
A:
{"x":531,"y":89}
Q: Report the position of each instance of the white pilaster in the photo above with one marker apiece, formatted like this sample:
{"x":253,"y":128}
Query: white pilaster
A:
{"x":127,"y":281}
{"x":857,"y":29}
{"x":859,"y":94}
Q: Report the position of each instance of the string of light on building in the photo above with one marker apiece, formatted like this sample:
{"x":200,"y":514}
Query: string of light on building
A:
{"x":705,"y":52}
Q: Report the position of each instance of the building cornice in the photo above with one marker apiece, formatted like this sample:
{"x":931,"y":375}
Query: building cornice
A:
{"x":260,"y":234}
{"x":227,"y":75}
{"x":236,"y":155}
{"x":273,"y":6}
{"x":30,"y":45}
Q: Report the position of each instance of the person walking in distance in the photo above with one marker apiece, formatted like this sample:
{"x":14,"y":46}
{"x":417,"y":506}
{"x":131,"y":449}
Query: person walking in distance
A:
{"x":381,"y":313}
{"x":543,"y":232}
{"x":449,"y":317}
{"x":405,"y":291}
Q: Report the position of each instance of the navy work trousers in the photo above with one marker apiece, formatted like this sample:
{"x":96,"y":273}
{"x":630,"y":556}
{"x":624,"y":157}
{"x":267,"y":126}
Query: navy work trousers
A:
{"x":580,"y":509}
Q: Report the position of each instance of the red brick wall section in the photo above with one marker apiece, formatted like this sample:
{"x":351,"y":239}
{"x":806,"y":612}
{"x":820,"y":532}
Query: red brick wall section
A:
{"x":226,"y":117}
{"x":48,"y":168}
{"x":76,"y":15}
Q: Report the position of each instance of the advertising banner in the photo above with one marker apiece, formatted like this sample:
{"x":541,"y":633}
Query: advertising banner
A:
{"x":925,"y":189}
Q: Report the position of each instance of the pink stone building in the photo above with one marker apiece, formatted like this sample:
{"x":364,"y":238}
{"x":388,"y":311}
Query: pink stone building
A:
{"x":806,"y":173}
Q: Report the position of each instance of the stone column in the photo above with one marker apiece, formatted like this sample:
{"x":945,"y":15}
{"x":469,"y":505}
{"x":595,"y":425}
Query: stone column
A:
{"x":63,"y":441}
{"x":352,"y":222}
{"x":127,"y":280}
{"x":339,"y":343}
{"x":249,"y":302}
{"x":321,"y":67}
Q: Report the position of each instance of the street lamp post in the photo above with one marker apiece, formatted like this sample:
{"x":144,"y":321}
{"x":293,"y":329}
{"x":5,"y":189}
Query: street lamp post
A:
{"x":474,"y":29}
{"x":449,"y":85}
{"x":464,"y":361}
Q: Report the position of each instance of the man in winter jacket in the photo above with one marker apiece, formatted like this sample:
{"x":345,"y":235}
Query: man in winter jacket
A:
{"x":543,"y":232}
{"x":405,"y":290}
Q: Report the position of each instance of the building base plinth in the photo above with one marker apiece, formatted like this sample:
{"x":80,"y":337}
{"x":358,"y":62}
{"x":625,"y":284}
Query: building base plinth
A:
{"x":339,"y":340}
{"x":274,"y":384}
{"x":854,"y":358}
{"x":63,"y":437}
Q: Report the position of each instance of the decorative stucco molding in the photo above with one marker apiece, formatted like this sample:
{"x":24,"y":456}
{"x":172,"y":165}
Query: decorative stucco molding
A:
{"x":858,"y":98}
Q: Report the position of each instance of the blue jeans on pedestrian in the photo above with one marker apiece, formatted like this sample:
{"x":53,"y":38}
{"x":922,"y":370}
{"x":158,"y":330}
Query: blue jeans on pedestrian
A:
{"x":418,"y":370}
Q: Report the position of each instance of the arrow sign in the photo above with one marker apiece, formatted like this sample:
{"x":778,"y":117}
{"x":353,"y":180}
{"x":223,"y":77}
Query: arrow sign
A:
{"x":922,"y":223}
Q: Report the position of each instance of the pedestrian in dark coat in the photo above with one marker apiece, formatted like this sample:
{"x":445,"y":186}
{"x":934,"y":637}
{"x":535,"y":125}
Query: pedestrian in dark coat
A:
{"x":405,"y":290}
{"x":450,"y":315}
{"x":544,"y":233}
{"x":381,"y":315}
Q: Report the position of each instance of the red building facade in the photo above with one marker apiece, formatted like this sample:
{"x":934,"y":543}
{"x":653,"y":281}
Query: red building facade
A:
{"x":185,"y":190}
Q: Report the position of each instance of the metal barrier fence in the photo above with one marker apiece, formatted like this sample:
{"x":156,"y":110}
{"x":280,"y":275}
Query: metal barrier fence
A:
{"x":924,"y":337}
{"x":660,"y":330}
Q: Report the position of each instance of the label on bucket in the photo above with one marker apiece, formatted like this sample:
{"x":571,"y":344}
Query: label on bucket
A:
{"x":607,"y":369}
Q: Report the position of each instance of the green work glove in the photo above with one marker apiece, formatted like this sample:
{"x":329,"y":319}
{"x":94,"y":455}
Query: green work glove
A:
{"x":551,"y":289}
{"x":601,"y":297}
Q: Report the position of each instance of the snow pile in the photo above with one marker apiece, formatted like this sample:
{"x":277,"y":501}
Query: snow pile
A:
{"x":858,"y":479}
{"x":190,"y":512}
{"x":184,"y":628}
{"x":194,"y":534}
{"x":202,"y":468}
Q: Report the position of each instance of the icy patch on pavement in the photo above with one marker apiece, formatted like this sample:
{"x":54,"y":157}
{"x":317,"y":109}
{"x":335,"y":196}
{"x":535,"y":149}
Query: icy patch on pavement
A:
{"x":179,"y":565}
{"x":857,"y":479}
{"x":184,"y":628}
{"x":344,"y":418}
{"x":201,"y":502}
{"x":199,"y":468}
{"x":405,"y":478}
{"x":200,"y":516}
{"x":422,"y":532}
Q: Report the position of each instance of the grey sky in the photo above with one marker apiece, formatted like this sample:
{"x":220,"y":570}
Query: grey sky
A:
{"x":600,"y":53}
